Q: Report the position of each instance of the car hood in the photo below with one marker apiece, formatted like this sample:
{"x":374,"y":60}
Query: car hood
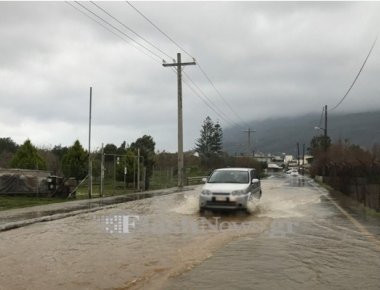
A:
{"x":225,"y":187}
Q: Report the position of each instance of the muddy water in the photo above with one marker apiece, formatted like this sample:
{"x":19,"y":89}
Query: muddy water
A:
{"x":311,"y":245}
{"x":294,"y":237}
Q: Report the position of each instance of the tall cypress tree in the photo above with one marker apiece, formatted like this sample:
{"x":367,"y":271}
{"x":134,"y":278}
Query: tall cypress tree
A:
{"x":217,"y":139}
{"x":210,"y":141}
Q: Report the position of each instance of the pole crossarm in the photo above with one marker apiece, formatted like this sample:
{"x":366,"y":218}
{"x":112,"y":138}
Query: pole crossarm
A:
{"x":179,"y":64}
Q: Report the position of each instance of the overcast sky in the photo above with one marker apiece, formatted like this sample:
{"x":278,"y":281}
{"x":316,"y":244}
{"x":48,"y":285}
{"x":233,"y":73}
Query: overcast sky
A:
{"x":266,"y":59}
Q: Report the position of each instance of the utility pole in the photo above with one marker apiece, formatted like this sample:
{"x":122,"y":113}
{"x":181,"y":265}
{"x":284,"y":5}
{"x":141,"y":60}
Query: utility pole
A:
{"x":102,"y":172}
{"x":179,"y":66}
{"x":303,"y":155}
{"x":114,"y":174}
{"x":125,"y":175}
{"x":249,"y":131}
{"x":138,"y":169}
{"x":134,"y":172}
{"x":303,"y":158}
{"x":298,"y":155}
{"x":325,"y":129}
{"x":89,"y":149}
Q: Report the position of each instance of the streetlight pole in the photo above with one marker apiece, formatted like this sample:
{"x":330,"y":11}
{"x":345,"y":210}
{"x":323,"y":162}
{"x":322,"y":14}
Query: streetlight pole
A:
{"x":325,"y":129}
{"x":102,"y":172}
{"x":89,"y":148}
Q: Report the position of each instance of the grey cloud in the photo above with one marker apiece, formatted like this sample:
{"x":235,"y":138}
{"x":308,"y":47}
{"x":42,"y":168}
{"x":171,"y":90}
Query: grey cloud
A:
{"x":268,"y":59}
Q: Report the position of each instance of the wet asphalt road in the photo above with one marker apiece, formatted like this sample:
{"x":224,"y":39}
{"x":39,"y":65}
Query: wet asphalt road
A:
{"x":296,"y":237}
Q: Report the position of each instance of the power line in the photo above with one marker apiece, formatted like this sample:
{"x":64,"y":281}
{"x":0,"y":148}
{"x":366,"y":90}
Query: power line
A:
{"x":109,"y":30}
{"x":219,"y":113}
{"x":196,"y":93}
{"x":205,"y":98}
{"x":130,"y":29}
{"x":117,"y":29}
{"x":210,"y":101}
{"x":205,"y":101}
{"x":199,"y":66}
{"x":357,"y":76}
{"x":155,"y":26}
{"x":220,"y":95}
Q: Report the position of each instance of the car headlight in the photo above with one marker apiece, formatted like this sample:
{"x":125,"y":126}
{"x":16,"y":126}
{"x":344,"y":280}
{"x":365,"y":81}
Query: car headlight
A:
{"x":238,"y":192}
{"x":206,"y":192}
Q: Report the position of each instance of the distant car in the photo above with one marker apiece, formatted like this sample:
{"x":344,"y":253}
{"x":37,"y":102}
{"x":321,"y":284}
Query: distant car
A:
{"x":230,"y":188}
{"x":292,"y":172}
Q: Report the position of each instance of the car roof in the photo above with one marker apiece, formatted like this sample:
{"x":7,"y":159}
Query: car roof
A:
{"x":234,"y":169}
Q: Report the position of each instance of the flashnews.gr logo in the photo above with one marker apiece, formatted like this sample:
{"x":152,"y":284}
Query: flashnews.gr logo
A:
{"x":125,"y":224}
{"x":119,"y":224}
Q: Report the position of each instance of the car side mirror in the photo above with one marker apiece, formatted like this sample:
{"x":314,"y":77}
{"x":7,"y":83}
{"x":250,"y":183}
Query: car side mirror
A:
{"x":255,"y":180}
{"x":204,"y":179}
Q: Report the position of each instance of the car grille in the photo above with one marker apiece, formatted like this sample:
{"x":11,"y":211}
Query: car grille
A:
{"x":225,"y":203}
{"x":221,"y":193}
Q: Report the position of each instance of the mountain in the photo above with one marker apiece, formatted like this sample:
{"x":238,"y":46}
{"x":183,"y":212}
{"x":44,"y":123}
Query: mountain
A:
{"x":279,"y":135}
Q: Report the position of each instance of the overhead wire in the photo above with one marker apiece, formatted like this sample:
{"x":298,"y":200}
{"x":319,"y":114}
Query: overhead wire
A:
{"x":193,"y":86}
{"x":186,"y":52}
{"x":210,"y":101}
{"x":111,"y":31}
{"x":204,"y":101}
{"x":220,"y":95}
{"x":117,"y":29}
{"x":159,"y":29}
{"x":356,"y":78}
{"x":130,"y":29}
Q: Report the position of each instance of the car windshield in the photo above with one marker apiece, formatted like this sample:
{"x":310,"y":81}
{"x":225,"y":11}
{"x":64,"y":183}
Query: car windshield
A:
{"x":229,"y":176}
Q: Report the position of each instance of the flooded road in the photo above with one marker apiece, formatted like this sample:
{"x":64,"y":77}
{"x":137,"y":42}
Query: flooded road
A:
{"x":297,"y":236}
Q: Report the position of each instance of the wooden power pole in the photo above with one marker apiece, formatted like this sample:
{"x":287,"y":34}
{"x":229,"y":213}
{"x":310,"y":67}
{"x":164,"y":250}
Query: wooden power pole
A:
{"x":249,"y":131}
{"x":298,"y":155}
{"x":179,"y":64}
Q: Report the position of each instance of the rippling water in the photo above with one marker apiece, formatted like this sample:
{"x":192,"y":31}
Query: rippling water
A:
{"x":310,"y":245}
{"x":294,"y":237}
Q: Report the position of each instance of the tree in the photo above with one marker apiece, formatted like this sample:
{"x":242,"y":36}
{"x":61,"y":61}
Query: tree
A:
{"x":204,"y":143}
{"x":127,"y":160}
{"x":74,"y":162}
{"x":8,"y":145}
{"x":51,"y":160}
{"x":146,"y":145}
{"x":27,"y":157}
{"x":7,"y":149}
{"x":217,"y":139}
{"x":122,"y":148}
{"x":211,"y":139}
{"x":59,"y":151}
{"x":110,"y":149}
{"x":319,"y":144}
